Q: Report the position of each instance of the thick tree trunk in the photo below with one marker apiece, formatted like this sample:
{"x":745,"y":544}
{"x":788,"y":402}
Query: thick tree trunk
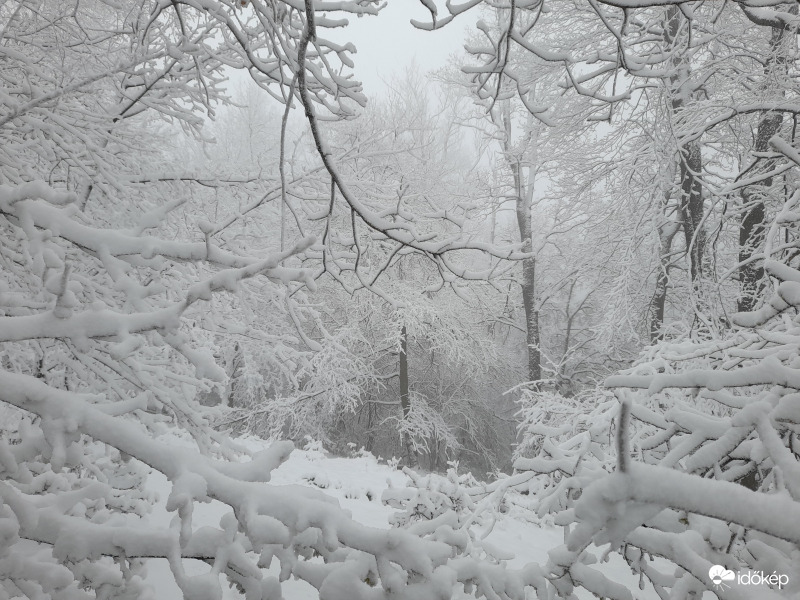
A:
{"x":753,"y":225}
{"x":405,"y":400}
{"x":751,"y":234}
{"x":666,"y":233}
{"x":690,"y":206}
{"x":370,"y":445}
{"x":529,"y":288}
{"x":690,"y":203}
{"x":523,"y":198}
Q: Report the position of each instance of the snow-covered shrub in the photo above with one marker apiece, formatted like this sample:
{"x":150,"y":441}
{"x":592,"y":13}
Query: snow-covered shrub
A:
{"x":431,"y":496}
{"x":564,"y":444}
{"x":440,"y":508}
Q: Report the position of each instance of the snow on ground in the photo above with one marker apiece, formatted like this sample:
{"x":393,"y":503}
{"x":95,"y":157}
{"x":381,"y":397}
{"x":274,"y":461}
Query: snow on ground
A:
{"x":357,"y":484}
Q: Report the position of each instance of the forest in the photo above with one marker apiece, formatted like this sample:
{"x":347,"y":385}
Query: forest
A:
{"x":540,"y":305}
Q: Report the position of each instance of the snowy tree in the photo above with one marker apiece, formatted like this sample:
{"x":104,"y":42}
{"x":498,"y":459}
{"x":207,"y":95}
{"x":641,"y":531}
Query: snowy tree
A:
{"x":682,"y":78}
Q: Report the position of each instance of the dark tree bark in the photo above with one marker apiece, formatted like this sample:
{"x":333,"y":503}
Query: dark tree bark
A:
{"x":690,"y":201}
{"x":666,"y":233}
{"x":753,"y":225}
{"x":690,"y":205}
{"x":405,"y":400}
{"x":751,"y":234}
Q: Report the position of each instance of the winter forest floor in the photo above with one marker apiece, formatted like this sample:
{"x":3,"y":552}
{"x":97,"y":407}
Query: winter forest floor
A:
{"x":357,"y":484}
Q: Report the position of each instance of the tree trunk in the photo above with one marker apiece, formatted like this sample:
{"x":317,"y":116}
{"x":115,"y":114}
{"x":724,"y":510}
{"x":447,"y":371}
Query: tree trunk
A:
{"x":690,"y":206}
{"x":751,"y":233}
{"x":237,"y":363}
{"x":405,"y":400}
{"x":529,"y":289}
{"x":753,"y":225}
{"x":531,"y":313}
{"x":370,"y":445}
{"x":523,"y":198}
{"x":666,"y":233}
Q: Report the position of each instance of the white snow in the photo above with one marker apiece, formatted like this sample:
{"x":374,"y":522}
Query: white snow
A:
{"x":357,"y":485}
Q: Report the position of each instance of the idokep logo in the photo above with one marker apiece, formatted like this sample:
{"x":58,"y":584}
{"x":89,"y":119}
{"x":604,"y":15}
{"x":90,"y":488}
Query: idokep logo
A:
{"x":722,"y":578}
{"x":719,"y":575}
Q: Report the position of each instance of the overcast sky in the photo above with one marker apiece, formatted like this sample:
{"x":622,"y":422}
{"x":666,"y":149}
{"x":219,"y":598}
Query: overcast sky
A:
{"x":388,"y":43}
